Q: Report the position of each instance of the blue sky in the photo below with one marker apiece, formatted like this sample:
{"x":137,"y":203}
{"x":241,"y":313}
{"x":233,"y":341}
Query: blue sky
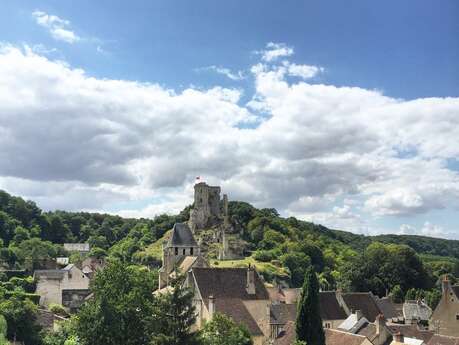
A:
{"x":205,"y":57}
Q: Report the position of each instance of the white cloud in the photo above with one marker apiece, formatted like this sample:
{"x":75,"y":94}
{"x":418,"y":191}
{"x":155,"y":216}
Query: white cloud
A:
{"x":273,"y":51}
{"x":58,"y":28}
{"x":238,"y":75}
{"x":302,"y":71}
{"x":65,"y":132}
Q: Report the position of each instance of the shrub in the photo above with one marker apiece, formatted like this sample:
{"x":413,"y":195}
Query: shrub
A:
{"x":58,"y":310}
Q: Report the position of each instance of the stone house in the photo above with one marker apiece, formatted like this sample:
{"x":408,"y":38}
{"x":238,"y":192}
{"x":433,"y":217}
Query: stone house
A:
{"x":51,"y":284}
{"x":416,"y":312}
{"x":378,"y":333}
{"x":82,"y":248}
{"x":445,"y":318}
{"x":236,"y":292}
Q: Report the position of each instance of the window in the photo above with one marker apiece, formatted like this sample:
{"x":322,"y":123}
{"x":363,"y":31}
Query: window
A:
{"x":183,"y":251}
{"x":327,"y":325}
{"x":457,"y":316}
{"x":191,"y":251}
{"x":176,"y":251}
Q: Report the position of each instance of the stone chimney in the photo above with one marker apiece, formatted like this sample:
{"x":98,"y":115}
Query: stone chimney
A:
{"x":250,"y":287}
{"x":445,"y":285}
{"x":358,"y":314}
{"x":211,"y":306}
{"x":399,"y":338}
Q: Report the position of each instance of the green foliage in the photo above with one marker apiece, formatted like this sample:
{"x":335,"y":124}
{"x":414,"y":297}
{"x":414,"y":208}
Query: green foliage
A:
{"x":383,"y":266}
{"x":397,"y":294}
{"x":122,"y":305}
{"x":172,"y":318}
{"x":222,"y":330}
{"x":58,"y":310}
{"x":308,"y":322}
{"x":20,"y":315}
{"x":3,"y":330}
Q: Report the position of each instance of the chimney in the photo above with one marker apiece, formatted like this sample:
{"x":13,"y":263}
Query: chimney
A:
{"x":399,"y":338}
{"x":250,"y":287}
{"x":380,"y":322}
{"x":268,"y":311}
{"x":445,"y":285}
{"x":358,"y":314}
{"x":211,"y":307}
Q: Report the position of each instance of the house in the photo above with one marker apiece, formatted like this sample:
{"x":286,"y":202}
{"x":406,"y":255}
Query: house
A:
{"x":400,"y":339}
{"x":236,"y":292}
{"x":279,"y":294}
{"x":287,"y":336}
{"x":180,"y":253}
{"x":82,"y":248}
{"x":378,"y":333}
{"x":363,"y":301}
{"x":411,"y":331}
{"x":331,"y":312}
{"x":51,"y":284}
{"x":445,"y":318}
{"x":91,"y":265}
{"x":392,"y":311}
{"x":337,"y":337}
{"x":416,"y":312}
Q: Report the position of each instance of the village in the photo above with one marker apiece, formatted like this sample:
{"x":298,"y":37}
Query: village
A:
{"x":268,"y":311}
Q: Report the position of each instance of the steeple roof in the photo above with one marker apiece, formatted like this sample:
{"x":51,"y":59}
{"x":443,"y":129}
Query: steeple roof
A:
{"x":181,"y":236}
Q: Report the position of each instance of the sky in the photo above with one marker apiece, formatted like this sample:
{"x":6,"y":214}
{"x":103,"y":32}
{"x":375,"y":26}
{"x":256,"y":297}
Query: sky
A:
{"x":344,"y":113}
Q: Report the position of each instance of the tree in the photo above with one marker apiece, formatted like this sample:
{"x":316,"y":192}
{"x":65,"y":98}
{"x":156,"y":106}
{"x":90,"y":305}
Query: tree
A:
{"x":411,"y":295}
{"x":121,"y":307}
{"x":397,"y":294}
{"x":308,"y":322}
{"x":173,"y":317}
{"x":222,"y":330}
{"x":20,"y":315}
{"x":3,"y":329}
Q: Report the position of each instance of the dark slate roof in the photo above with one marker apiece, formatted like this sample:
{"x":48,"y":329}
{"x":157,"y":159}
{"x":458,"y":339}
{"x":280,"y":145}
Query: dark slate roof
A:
{"x":283,"y":313}
{"x":227,"y":283}
{"x":389,"y":309}
{"x":363,"y":301}
{"x":181,"y":236}
{"x":329,"y":306}
{"x":235,"y":308}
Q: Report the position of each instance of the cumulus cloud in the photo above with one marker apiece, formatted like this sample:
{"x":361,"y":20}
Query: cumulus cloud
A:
{"x":296,"y":146}
{"x":58,"y":28}
{"x":238,"y":75}
{"x":274,"y":51}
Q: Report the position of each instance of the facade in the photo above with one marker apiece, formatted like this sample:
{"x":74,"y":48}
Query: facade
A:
{"x":52,"y":283}
{"x":236,"y":292}
{"x":82,"y":248}
{"x":445,"y":318}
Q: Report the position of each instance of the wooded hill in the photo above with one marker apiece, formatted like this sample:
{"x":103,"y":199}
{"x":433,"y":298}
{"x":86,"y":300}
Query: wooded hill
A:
{"x":281,"y":247}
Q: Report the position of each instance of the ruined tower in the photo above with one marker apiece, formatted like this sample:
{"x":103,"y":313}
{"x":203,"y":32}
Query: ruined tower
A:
{"x":206,"y":211}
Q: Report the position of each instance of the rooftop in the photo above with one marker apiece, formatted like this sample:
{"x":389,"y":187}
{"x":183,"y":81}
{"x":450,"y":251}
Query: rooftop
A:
{"x":181,"y":236}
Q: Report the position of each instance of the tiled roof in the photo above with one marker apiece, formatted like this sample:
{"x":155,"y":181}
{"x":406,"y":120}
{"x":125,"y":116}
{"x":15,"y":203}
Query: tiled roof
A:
{"x":235,"y":308}
{"x":390,"y":309}
{"x":416,"y":310}
{"x":329,"y":306}
{"x":443,"y":340}
{"x":411,"y":331}
{"x":283,"y":313}
{"x":287,"y":336}
{"x":181,"y":236}
{"x":284,"y":295}
{"x":363,"y":301}
{"x":335,"y":337}
{"x":227,"y":283}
